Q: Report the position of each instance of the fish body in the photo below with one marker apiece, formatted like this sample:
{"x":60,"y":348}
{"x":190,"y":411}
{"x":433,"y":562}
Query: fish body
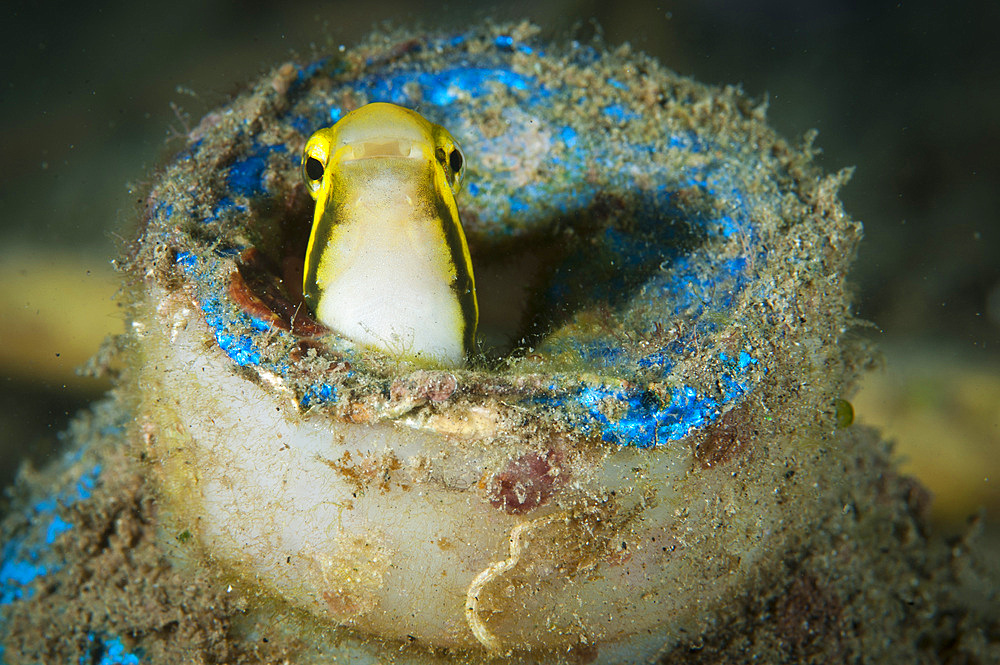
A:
{"x":388,"y":264}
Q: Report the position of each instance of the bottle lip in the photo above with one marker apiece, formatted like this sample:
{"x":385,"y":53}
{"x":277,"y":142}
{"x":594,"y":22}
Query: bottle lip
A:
{"x":664,"y":337}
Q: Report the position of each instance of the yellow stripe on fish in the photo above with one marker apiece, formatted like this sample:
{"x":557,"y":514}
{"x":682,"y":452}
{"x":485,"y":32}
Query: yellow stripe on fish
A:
{"x":387,"y":264}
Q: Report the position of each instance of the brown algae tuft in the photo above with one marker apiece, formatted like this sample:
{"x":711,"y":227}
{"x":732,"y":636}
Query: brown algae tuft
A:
{"x":639,"y":463}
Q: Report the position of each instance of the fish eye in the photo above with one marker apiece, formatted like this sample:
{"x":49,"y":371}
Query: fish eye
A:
{"x":450,"y":157}
{"x":312,"y":172}
{"x":455,"y":160}
{"x":314,"y":168}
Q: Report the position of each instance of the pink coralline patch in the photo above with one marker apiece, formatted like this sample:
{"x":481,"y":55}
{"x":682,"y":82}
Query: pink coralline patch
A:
{"x":526,"y":483}
{"x":424,"y":385}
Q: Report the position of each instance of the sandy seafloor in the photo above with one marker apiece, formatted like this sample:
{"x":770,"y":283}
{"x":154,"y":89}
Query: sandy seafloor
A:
{"x":901,"y":92}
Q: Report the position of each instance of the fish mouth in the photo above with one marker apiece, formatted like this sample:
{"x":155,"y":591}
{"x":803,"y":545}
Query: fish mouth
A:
{"x":382,"y":148}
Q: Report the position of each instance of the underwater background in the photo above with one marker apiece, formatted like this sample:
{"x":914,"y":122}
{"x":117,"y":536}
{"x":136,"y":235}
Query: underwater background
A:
{"x":94,"y":98}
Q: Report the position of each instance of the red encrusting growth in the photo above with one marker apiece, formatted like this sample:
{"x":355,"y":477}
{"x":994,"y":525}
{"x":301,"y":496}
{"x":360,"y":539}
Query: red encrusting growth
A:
{"x":526,"y":483}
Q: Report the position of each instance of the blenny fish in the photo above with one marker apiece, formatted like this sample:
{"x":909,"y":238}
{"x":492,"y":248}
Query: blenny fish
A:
{"x":387,"y":263}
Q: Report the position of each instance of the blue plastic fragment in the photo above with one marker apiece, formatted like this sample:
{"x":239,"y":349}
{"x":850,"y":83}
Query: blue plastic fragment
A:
{"x":319,"y":394}
{"x":687,"y":141}
{"x":19,"y":569}
{"x":619,"y":113}
{"x":241,"y":349}
{"x":23,"y":557}
{"x":646,"y":422}
{"x":108,"y":651}
{"x":246,"y":175}
{"x":28,"y":556}
{"x":85,"y":486}
{"x":238,"y":347}
{"x":161,"y":209}
{"x":57,"y":527}
{"x":508,"y":43}
{"x":443,"y":87}
{"x":222,"y":206}
{"x":310,"y":70}
{"x":185,"y":260}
